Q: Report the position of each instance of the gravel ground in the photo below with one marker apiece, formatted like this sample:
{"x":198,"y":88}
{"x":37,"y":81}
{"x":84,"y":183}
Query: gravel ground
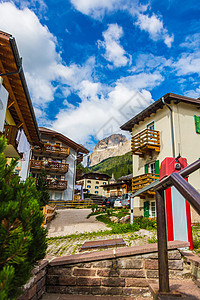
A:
{"x":72,"y":221}
{"x":71,"y":244}
{"x":71,"y":228}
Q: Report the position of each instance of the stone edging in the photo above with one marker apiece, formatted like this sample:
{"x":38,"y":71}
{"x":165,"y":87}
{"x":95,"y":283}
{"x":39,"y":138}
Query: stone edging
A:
{"x":115,"y":253}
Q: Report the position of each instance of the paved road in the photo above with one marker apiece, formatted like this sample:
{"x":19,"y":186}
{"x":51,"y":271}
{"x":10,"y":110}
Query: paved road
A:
{"x":69,"y":221}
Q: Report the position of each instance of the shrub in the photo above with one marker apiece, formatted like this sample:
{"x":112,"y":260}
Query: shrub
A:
{"x":22,"y":239}
{"x":43,"y":189}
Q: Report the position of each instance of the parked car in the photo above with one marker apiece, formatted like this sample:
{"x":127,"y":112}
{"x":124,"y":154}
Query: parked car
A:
{"x":110,"y":202}
{"x":118,"y":203}
{"x":126,"y":199}
{"x":104,"y":202}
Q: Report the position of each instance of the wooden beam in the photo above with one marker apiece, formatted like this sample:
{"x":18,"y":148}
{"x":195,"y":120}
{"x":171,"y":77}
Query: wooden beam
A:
{"x":12,"y":95}
{"x":10,"y":104}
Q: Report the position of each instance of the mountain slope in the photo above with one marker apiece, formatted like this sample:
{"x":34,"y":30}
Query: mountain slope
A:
{"x":119,"y":165}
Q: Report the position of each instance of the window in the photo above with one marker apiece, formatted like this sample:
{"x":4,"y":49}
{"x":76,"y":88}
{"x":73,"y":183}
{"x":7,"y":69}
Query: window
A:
{"x":58,"y":196}
{"x":89,"y":181}
{"x":97,"y":182}
{"x":153,"y":209}
{"x":152,"y":168}
{"x":151,"y":126}
{"x":96,"y":187}
{"x":104,"y":182}
{"x":96,"y":192}
{"x":197,"y":123}
{"x":88,"y":186}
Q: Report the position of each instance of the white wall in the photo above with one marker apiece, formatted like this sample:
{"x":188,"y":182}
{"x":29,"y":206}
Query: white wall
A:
{"x":70,"y":176}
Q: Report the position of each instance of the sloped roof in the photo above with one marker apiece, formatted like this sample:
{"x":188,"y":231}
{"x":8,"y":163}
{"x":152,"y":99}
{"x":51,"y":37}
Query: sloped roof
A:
{"x":155,"y":106}
{"x":64,"y":139}
{"x":19,"y":101}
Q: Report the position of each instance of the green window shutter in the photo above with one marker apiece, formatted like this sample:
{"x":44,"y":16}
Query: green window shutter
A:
{"x":197,"y":123}
{"x":146,"y":209}
{"x":157,"y":167}
{"x":146,"y":168}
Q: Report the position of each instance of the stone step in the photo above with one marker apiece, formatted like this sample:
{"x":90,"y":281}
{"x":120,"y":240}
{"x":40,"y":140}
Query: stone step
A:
{"x":179,"y":289}
{"x":48,"y":296}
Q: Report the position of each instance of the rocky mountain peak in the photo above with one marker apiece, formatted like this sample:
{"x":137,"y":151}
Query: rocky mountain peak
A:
{"x":114,"y":145}
{"x":112,"y":140}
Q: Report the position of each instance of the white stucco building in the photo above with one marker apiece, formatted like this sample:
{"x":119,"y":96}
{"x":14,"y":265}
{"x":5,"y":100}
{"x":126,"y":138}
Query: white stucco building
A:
{"x":58,"y":156}
{"x":152,"y":142}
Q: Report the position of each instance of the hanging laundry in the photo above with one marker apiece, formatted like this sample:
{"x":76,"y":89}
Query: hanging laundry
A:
{"x":23,"y":145}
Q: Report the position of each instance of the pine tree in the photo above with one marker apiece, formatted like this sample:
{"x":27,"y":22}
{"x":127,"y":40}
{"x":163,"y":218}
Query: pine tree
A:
{"x":42,"y":187}
{"x":22,"y":239}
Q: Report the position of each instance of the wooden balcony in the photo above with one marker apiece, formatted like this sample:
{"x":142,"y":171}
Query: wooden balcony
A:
{"x":79,"y":174}
{"x":10,"y":133}
{"x":145,"y":141}
{"x":50,"y":166}
{"x":79,"y":158}
{"x":57,"y":184}
{"x":51,"y":150}
{"x":141,"y":181}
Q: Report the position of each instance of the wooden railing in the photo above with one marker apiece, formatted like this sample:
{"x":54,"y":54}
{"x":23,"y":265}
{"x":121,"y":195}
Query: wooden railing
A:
{"x":193,"y":198}
{"x":49,"y":165}
{"x":79,"y":158}
{"x":116,"y":193}
{"x":10,"y":133}
{"x":53,"y":150}
{"x":79,"y":174}
{"x":145,"y":141}
{"x":72,"y":204}
{"x":141,"y":181}
{"x":57,"y":184}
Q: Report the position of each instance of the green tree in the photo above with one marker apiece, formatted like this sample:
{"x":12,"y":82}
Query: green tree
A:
{"x":22,"y":239}
{"x":43,"y":189}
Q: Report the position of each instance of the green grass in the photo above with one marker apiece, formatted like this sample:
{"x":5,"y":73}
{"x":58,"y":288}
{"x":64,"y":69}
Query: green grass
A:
{"x":196,"y":238}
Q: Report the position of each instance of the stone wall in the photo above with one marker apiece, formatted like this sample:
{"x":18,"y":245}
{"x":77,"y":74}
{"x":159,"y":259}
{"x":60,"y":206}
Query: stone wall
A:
{"x":124,"y":271}
{"x":36,"y":286}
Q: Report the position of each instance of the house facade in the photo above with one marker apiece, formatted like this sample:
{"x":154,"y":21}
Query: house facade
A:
{"x":94,"y":182}
{"x":58,"y":156}
{"x":167,"y":128}
{"x":17,"y":119}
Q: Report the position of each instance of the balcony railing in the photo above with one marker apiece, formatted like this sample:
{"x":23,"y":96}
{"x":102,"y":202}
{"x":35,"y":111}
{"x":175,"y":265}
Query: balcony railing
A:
{"x":10,"y":133}
{"x":141,"y":181}
{"x":79,"y":158}
{"x":116,"y":193}
{"x":145,"y":141}
{"x":57,"y":184}
{"x":49,"y":166}
{"x":79,"y":174}
{"x":51,"y":150}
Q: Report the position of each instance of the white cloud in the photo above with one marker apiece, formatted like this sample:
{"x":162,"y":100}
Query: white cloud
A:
{"x":188,"y":63}
{"x":94,"y":114}
{"x":149,"y":62}
{"x":37,"y":46}
{"x":192,"y":42}
{"x":154,"y":26}
{"x":114,"y":52}
{"x":95,"y":8}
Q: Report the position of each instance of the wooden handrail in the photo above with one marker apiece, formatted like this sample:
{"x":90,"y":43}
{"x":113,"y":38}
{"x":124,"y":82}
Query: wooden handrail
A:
{"x":191,"y":195}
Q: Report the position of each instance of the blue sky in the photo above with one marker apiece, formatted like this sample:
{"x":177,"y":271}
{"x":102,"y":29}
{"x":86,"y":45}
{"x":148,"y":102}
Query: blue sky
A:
{"x":86,"y":61}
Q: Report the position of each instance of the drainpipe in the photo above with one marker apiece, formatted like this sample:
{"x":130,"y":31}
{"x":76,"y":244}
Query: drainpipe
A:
{"x":172,"y":127}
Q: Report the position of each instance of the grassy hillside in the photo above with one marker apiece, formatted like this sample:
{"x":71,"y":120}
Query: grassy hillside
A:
{"x":119,"y":165}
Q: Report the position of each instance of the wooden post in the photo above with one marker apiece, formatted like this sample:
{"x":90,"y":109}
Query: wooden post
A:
{"x":162,"y":243}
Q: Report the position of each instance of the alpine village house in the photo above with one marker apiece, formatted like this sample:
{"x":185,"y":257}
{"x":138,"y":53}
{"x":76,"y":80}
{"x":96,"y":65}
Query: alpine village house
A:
{"x":167,"y":128}
{"x":17,"y":119}
{"x":58,"y":156}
